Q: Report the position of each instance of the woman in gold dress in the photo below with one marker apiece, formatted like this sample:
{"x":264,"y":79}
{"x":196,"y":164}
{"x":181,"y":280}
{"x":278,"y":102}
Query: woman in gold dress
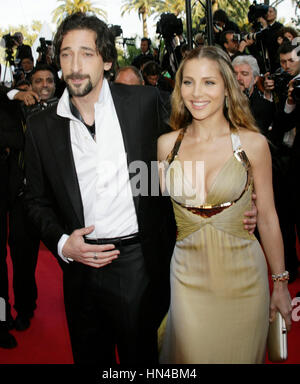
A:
{"x":214,"y":159}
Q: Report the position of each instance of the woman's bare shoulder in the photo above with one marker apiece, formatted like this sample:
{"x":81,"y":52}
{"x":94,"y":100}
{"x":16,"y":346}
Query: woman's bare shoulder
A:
{"x":253,"y":141}
{"x":165,"y":144}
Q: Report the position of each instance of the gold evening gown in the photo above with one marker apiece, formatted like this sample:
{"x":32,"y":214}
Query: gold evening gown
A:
{"x":219,"y":310}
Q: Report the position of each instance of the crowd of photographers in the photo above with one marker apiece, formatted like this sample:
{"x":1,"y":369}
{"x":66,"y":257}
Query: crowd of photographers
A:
{"x":267,"y":66}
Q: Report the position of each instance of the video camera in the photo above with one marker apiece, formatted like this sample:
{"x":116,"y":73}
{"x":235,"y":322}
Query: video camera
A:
{"x":255,"y":12}
{"x":9,"y":41}
{"x":169,"y":25}
{"x":116,"y":30}
{"x":43,"y":48}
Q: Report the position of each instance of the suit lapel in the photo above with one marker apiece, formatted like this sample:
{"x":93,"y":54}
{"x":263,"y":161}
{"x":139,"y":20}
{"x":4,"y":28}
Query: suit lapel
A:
{"x":61,"y":146}
{"x":130,"y":131}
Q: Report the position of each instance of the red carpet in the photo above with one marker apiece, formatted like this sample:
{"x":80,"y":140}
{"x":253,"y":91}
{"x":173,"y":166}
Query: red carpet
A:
{"x":47,"y":340}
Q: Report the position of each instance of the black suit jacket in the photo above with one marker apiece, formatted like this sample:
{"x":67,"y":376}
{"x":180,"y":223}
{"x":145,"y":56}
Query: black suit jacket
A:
{"x":52,"y":190}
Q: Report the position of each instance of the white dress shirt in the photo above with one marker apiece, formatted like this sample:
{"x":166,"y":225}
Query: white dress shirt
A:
{"x":102,"y":171}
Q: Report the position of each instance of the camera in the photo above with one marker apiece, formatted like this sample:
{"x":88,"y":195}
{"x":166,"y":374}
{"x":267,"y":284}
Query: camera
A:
{"x":169,"y":25}
{"x":116,"y":30}
{"x":251,"y":36}
{"x":44,"y":44}
{"x":255,"y":12}
{"x":9,"y":41}
{"x":33,"y":109}
{"x":281,"y":80}
{"x":296,"y":90}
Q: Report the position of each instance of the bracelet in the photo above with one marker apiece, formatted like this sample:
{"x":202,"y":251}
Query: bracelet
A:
{"x":281,"y":276}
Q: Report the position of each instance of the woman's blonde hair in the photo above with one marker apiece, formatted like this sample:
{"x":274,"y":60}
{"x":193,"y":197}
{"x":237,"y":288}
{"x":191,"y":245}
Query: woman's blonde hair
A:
{"x":236,"y":108}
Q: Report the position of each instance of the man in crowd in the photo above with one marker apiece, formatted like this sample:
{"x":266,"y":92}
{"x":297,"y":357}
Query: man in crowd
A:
{"x":283,"y":136}
{"x":269,"y":36}
{"x":23,"y":50}
{"x":26,"y":66}
{"x":232,"y":45}
{"x":11,"y":141}
{"x":129,"y":75}
{"x":247,"y":74}
{"x":145,"y":54}
{"x":222,"y":23}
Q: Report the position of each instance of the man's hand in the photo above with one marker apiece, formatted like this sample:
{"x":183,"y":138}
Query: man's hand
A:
{"x":28,"y":97}
{"x":96,"y":256}
{"x":269,"y":84}
{"x":251,"y":216}
{"x":263,"y":22}
{"x":290,"y":100}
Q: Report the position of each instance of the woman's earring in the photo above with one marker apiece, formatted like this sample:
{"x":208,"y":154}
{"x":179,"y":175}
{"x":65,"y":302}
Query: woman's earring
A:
{"x":226,"y":102}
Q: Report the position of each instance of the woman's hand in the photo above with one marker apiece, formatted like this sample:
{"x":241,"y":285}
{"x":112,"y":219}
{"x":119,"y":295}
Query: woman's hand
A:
{"x":281,"y":301}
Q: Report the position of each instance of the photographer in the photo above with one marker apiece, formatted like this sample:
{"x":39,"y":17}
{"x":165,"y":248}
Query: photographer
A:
{"x":222,"y":23}
{"x":292,"y":119}
{"x":170,"y":28}
{"x":247,"y":74}
{"x":234,"y":44}
{"x":23,"y":50}
{"x":268,"y":36}
{"x":283,"y":135}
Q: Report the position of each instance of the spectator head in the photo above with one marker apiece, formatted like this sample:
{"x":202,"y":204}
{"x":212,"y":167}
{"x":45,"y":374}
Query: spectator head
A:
{"x":27,"y":64}
{"x":104,"y":39}
{"x":129,"y":75}
{"x":23,"y":85}
{"x":42,"y":81}
{"x":289,"y":58}
{"x":199,"y":39}
{"x":145,"y":44}
{"x":286,"y":34}
{"x":184,"y":50}
{"x":235,"y":105}
{"x":271,"y":15}
{"x":151,"y":72}
{"x":228,"y":42}
{"x":18,"y":36}
{"x":247,"y":72}
{"x":220,"y":18}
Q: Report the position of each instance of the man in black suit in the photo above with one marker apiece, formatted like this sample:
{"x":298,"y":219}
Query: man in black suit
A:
{"x":11,"y":141}
{"x":109,"y":235}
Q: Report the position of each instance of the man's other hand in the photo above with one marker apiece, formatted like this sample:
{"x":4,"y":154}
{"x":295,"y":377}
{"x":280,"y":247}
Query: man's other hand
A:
{"x":28,"y":97}
{"x":96,"y":256}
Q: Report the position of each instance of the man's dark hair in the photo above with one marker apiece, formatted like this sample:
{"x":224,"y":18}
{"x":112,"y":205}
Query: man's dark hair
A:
{"x":148,"y":41}
{"x":220,"y":15}
{"x":43,"y":67}
{"x":105,"y":41}
{"x":27,"y":57}
{"x":286,"y":47}
{"x":151,"y":68}
{"x":223,"y":37}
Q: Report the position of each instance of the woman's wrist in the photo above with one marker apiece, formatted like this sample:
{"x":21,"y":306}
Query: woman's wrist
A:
{"x":280,"y":277}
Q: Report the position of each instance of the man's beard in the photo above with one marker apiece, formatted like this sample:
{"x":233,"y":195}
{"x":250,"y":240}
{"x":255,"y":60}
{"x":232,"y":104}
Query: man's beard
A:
{"x":78,"y":92}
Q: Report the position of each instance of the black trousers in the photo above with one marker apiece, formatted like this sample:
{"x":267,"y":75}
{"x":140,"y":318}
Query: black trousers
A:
{"x":116,"y":309}
{"x":3,"y":230}
{"x":24,"y":247}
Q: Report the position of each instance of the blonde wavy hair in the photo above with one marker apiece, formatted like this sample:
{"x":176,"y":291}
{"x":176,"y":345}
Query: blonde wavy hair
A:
{"x":236,"y":110}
